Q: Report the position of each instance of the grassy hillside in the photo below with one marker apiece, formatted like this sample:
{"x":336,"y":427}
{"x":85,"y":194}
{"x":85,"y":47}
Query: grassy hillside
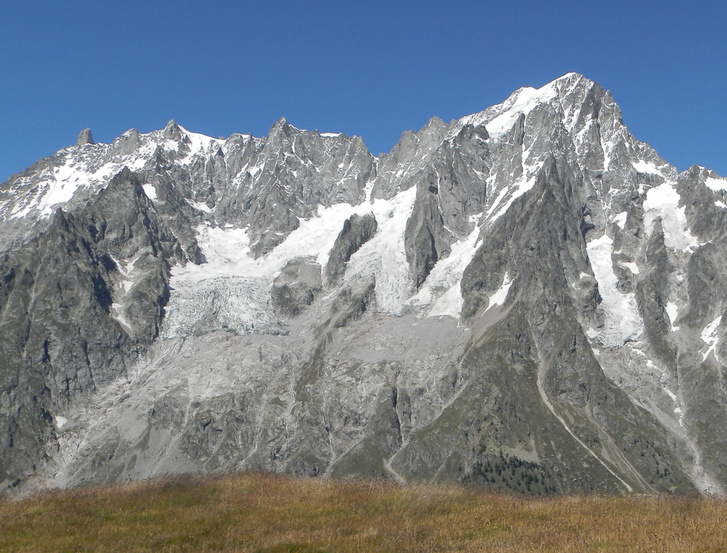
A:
{"x":267,"y":514}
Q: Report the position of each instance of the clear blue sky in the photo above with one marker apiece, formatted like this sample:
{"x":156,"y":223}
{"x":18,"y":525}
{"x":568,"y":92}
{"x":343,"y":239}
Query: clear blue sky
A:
{"x":369,"y":68}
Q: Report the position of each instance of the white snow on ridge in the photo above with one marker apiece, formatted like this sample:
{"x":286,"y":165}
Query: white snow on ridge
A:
{"x":499,"y":119}
{"x":662,"y":202}
{"x":57,"y":188}
{"x":137,"y":160}
{"x":622,"y":319}
{"x":716,"y":184}
{"x":201,"y":143}
{"x":646,"y":167}
{"x":526,"y":100}
{"x":67,"y":180}
{"x":58,"y":185}
{"x":508,"y":195}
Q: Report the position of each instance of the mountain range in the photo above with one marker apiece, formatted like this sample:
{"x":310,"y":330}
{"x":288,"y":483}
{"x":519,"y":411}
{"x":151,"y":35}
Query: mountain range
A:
{"x":525,"y":299}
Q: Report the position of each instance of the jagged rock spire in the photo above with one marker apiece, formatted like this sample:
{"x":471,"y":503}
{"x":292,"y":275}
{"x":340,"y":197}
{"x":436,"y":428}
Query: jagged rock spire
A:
{"x":85,"y":137}
{"x":172,"y":130}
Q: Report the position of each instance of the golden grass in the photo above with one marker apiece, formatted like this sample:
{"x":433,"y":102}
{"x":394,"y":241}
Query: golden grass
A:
{"x":268,"y":514}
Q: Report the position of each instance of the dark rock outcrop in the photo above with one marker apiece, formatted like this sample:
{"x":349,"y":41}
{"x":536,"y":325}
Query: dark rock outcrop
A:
{"x":296,"y":287}
{"x":357,"y":230}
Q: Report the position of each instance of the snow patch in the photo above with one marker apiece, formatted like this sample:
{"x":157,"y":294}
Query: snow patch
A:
{"x":123,"y":285}
{"x":623,"y":322}
{"x":716,"y":184}
{"x":620,"y":219}
{"x":449,"y":303}
{"x":631,"y":266}
{"x":150,"y":191}
{"x":673,"y":311}
{"x":709,"y":337}
{"x":125,"y":270}
{"x":662,"y":202}
{"x":57,"y":187}
{"x":201,"y":206}
{"x":67,"y":180}
{"x":671,"y":394}
{"x":646,"y":167}
{"x":117,"y":313}
{"x":499,"y":297}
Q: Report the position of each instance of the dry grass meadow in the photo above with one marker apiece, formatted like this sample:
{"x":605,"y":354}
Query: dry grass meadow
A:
{"x":270,"y":514}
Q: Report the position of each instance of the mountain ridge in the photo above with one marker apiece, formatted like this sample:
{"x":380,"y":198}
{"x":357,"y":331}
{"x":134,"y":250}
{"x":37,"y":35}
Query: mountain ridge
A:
{"x":520,"y":282}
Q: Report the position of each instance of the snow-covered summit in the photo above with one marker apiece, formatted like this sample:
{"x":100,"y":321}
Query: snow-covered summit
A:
{"x":500,"y":118}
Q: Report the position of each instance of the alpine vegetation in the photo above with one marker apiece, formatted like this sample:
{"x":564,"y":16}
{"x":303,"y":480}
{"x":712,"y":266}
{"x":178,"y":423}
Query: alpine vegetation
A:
{"x":525,"y":299}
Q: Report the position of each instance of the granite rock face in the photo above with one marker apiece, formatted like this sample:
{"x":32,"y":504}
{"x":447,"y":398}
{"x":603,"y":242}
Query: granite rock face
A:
{"x":85,"y":137}
{"x":296,"y":287}
{"x":357,"y":230}
{"x":72,"y":318}
{"x":525,"y":299}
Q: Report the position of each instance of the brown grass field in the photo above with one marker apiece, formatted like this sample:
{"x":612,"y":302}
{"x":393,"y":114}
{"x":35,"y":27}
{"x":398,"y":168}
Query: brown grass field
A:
{"x":271,"y":514}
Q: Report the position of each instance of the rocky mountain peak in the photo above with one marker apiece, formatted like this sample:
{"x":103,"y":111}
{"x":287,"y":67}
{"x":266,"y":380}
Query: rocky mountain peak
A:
{"x":527,"y":298}
{"x":172,"y":131}
{"x":281,"y":126}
